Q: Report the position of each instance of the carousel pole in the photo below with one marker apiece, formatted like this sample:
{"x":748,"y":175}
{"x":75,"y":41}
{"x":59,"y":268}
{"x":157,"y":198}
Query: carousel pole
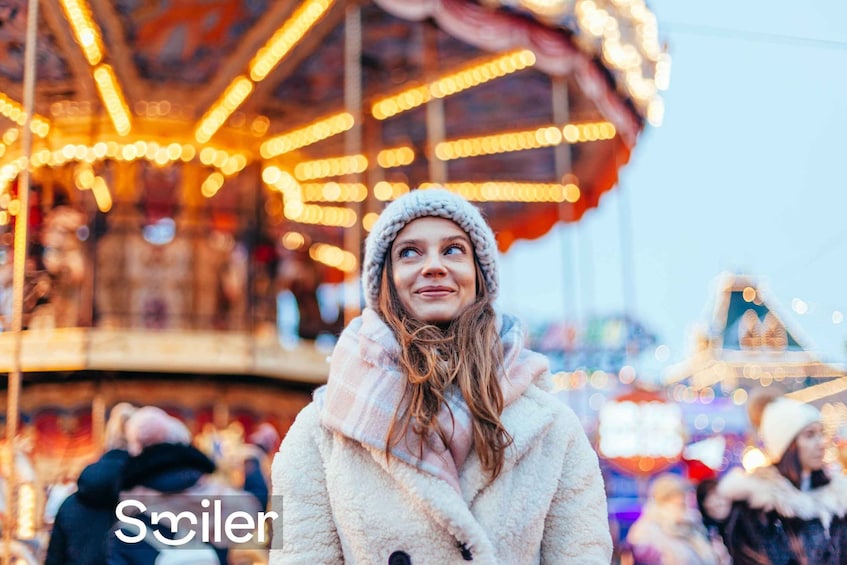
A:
{"x":19,"y":270}
{"x":563,"y":161}
{"x":353,"y":146}
{"x":435,"y":126}
{"x":564,"y":173}
{"x":627,"y":253}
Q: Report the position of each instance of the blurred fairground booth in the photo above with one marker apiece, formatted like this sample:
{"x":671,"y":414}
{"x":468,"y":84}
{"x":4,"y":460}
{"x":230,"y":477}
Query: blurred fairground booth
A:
{"x":692,"y":418}
{"x":185,"y":186}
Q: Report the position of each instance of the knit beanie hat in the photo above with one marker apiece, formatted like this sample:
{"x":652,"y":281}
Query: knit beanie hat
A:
{"x":421,"y":203}
{"x":666,"y":486}
{"x":151,"y":425}
{"x":782,"y":419}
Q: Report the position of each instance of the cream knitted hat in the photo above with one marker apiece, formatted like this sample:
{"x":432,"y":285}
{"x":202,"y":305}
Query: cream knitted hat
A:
{"x":418,"y":204}
{"x":782,"y":419}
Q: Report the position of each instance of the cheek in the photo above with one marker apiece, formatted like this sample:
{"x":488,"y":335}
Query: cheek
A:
{"x":467,"y":277}
{"x":400,"y":279}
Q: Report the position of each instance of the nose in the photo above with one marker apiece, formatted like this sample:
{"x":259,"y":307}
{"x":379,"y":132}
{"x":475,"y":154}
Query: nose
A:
{"x":433,"y":265}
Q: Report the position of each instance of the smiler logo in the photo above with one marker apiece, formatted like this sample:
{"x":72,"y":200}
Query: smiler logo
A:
{"x":211,"y":525}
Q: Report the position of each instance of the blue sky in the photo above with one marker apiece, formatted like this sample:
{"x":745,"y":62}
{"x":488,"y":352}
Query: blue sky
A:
{"x":746,"y":174}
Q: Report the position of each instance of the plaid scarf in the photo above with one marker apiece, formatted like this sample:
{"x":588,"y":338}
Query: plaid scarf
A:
{"x":366,"y":386}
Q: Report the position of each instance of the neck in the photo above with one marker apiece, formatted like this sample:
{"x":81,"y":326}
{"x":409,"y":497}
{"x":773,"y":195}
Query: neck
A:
{"x":806,"y":479}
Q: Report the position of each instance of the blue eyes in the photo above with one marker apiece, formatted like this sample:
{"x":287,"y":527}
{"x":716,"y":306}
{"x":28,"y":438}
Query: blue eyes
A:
{"x":451,"y":249}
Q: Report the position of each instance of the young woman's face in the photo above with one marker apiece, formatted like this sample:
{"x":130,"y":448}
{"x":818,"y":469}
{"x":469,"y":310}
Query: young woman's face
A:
{"x":810,"y":447}
{"x":433,"y":269}
{"x":717,"y":506}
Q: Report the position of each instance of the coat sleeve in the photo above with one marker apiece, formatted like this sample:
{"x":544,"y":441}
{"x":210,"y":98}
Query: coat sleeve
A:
{"x":744,"y":539}
{"x":576,"y":529}
{"x":305,"y":530}
{"x":58,"y":540}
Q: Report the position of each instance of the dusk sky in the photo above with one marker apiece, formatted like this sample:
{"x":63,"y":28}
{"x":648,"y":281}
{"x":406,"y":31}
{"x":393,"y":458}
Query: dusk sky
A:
{"x":746,"y":174}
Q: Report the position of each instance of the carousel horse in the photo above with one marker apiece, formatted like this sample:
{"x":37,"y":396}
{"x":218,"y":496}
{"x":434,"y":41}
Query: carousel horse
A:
{"x":55,"y":284}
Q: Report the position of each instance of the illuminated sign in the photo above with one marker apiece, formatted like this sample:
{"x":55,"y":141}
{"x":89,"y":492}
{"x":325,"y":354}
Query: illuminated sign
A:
{"x":641,"y":432}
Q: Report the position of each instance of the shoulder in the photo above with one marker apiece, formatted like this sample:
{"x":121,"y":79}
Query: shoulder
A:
{"x":542,"y":402}
{"x":766,"y":489}
{"x":760,"y":489}
{"x":834,"y":495}
{"x":306,"y":427}
{"x":540,"y":418}
{"x":303,"y":443}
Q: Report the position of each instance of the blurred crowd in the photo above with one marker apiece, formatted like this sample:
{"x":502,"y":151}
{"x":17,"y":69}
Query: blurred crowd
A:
{"x":790,"y":510}
{"x":151,"y":466}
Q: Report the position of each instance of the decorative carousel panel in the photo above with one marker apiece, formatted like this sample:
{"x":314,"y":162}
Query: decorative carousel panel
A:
{"x":51,"y":61}
{"x":185,"y":42}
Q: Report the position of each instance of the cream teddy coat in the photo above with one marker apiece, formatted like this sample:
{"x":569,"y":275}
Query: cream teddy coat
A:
{"x":342,"y":502}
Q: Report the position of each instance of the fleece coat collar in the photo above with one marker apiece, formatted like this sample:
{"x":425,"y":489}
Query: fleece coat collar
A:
{"x":766,"y":489}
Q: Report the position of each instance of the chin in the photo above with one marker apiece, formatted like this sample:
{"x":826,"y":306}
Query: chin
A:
{"x":437,"y":320}
{"x":436,"y":317}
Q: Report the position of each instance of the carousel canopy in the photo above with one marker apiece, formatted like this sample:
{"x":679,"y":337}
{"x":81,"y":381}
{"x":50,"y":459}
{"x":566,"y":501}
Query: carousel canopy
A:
{"x":327,"y":108}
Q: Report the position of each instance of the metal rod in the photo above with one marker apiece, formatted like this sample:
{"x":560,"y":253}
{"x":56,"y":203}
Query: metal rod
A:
{"x":18,"y":278}
{"x":563,"y":161}
{"x":435,"y":126}
{"x":353,"y":146}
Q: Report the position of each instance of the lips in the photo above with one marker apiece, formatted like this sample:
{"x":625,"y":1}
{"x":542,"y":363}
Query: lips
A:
{"x":434,"y":291}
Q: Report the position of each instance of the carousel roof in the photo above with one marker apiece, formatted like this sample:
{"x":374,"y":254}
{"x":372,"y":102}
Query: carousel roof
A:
{"x":528,"y":107}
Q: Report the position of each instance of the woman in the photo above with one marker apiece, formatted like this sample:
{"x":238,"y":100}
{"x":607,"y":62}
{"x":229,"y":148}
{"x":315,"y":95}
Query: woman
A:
{"x":668,"y":532}
{"x":714,"y":510}
{"x":434,"y":440}
{"x":791,"y":512}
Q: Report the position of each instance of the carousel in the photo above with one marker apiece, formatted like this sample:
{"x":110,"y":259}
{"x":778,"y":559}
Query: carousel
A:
{"x":185,"y":188}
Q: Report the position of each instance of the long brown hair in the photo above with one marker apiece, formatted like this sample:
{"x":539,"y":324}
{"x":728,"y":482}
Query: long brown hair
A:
{"x":791,"y":468}
{"x":466,"y":352}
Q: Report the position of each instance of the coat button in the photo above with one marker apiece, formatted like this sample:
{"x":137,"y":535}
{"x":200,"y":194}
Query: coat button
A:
{"x":399,"y":558}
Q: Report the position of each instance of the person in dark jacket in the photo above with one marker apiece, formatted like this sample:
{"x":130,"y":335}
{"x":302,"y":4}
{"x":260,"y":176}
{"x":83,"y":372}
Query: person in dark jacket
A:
{"x":714,"y":510}
{"x":263,"y":442}
{"x":793,"y":511}
{"x":86,"y":516}
{"x":165,"y":473}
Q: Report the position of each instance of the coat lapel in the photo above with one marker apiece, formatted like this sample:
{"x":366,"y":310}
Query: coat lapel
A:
{"x":526,"y":419}
{"x":442,"y":503}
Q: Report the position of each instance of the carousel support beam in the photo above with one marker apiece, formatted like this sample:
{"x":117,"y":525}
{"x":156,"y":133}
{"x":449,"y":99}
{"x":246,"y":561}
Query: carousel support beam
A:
{"x":353,"y":146}
{"x":561,"y":115}
{"x":435,"y":128}
{"x":19,"y":271}
{"x":563,"y":162}
{"x":627,"y":253}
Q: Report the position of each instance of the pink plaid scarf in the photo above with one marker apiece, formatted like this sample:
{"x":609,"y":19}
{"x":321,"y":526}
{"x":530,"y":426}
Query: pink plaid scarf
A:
{"x":366,"y":385}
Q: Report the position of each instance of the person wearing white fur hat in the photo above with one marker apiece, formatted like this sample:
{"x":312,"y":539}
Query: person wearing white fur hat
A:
{"x":435,"y":439}
{"x":791,"y":511}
